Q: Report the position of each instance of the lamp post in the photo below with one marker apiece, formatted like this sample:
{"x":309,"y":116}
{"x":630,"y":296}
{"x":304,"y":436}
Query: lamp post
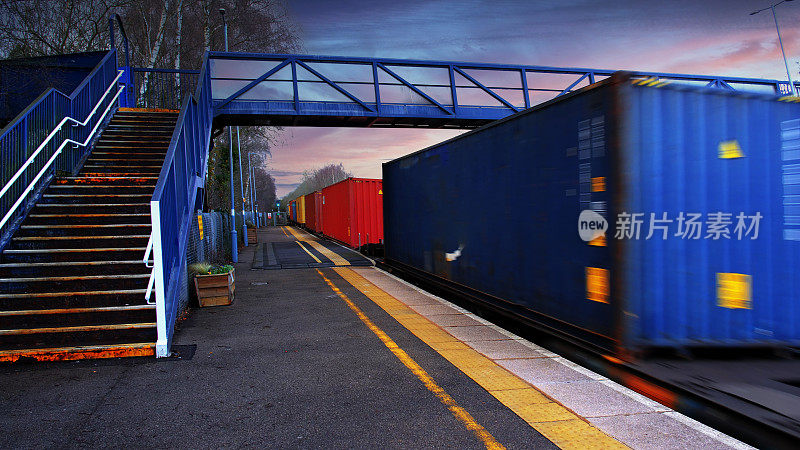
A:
{"x":252,"y":186}
{"x":234,"y":238}
{"x":780,"y":41}
{"x":241,"y":184}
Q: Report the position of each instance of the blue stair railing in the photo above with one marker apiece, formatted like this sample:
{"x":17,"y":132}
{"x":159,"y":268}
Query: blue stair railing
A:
{"x":173,"y":204}
{"x":161,"y":88}
{"x":52,"y":134}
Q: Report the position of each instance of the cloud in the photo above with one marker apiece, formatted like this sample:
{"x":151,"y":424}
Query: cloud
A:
{"x":688,"y":36}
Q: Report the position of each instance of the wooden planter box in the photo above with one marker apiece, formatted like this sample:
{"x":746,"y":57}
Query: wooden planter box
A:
{"x":252,"y":236}
{"x":215,"y":290}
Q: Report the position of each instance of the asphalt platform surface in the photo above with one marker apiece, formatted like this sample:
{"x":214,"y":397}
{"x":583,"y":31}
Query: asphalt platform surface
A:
{"x":287,"y":365}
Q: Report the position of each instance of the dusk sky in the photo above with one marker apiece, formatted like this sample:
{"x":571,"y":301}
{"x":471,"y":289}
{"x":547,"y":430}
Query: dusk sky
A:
{"x":687,"y":36}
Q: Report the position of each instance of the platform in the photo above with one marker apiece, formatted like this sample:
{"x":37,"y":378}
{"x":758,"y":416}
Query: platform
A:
{"x":344,"y":356}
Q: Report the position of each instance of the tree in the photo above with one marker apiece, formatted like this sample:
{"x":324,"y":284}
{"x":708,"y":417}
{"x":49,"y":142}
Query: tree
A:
{"x":53,"y":27}
{"x":318,"y":179}
{"x":254,"y":141}
{"x":265,"y":189}
{"x":161,"y":33}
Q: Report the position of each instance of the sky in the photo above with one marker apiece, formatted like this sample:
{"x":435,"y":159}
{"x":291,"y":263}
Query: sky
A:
{"x":686,"y":36}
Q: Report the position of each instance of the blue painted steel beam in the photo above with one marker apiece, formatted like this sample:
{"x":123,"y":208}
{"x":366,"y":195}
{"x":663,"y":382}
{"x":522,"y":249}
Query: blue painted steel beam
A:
{"x":275,"y":108}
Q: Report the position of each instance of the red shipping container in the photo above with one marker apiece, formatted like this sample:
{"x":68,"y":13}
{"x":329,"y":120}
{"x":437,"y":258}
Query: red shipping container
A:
{"x":352,"y":211}
{"x":314,"y":211}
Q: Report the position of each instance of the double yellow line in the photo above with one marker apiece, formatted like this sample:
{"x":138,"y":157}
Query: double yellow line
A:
{"x":336,"y":259}
{"x":460,"y":413}
{"x":561,"y":426}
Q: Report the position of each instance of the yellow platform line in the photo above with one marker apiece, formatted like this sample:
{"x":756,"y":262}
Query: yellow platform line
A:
{"x":309,"y":253}
{"x":557,"y":423}
{"x":460,"y":413}
{"x":336,"y":259}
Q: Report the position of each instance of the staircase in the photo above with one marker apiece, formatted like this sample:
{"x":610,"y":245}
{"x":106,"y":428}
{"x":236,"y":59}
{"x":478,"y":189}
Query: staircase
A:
{"x":72,"y":280}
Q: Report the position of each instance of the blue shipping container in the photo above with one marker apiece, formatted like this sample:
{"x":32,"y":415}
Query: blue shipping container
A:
{"x":699,"y":190}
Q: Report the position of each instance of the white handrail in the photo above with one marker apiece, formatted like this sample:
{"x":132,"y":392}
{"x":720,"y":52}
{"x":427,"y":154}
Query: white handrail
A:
{"x":53,"y":133}
{"x":146,"y":261}
{"x":58,"y":152}
{"x":150,"y":284}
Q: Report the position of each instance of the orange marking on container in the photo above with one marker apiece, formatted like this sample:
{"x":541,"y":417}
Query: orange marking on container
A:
{"x":599,"y":241}
{"x":597,"y":282}
{"x":598,"y":184}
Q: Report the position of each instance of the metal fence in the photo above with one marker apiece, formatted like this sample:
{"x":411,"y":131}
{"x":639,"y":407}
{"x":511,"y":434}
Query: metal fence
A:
{"x":162,"y":88}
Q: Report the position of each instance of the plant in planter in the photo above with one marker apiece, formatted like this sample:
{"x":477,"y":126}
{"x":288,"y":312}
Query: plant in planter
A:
{"x":252,"y":235}
{"x":214,"y":285}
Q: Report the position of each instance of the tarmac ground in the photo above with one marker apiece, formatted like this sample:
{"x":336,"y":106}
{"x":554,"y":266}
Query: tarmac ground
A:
{"x":321,"y":350}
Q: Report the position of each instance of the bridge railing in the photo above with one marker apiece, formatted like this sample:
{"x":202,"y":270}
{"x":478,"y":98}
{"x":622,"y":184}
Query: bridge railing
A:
{"x":368,"y":91}
{"x":172,"y":206}
{"x":162,"y":88}
{"x":52,"y":134}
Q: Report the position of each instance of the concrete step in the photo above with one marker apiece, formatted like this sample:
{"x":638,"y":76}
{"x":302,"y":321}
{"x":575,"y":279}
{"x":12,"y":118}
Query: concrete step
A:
{"x":73,"y":254}
{"x":48,"y":337}
{"x":91,"y":208}
{"x":137,"y":143}
{"x":96,"y":198}
{"x":108,"y":147}
{"x":117,"y":174}
{"x":79,"y":352}
{"x":129,"y":153}
{"x":74,"y":268}
{"x":72,"y":317}
{"x":78,"y":299}
{"x":49,"y":242}
{"x":75,"y":218}
{"x":84,"y":230}
{"x":148,"y":180}
{"x":21,"y":285}
{"x":117,"y":189}
{"x":128,"y":163}
{"x":96,"y":168}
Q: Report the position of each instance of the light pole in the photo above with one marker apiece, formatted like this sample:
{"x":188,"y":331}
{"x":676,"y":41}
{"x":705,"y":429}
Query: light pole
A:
{"x":234,"y":238}
{"x":780,"y":41}
{"x":241,"y":185}
{"x":252,"y":185}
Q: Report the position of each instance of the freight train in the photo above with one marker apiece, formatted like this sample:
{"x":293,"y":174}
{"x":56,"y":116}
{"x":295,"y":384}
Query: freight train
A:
{"x":630,"y":216}
{"x":350,"y":212}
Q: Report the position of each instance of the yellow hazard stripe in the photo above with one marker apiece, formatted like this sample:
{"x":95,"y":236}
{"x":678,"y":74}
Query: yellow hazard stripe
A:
{"x":650,"y":81}
{"x":309,"y":253}
{"x":557,"y":423}
{"x":460,"y":413}
{"x":336,"y":259}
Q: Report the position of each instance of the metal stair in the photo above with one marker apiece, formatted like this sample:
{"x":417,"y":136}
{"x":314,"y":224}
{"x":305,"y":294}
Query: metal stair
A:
{"x":72,"y":280}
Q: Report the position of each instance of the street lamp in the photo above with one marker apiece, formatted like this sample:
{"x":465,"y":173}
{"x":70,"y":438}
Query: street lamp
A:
{"x":252,"y":174}
{"x":780,"y":41}
{"x":234,"y":237}
{"x":241,"y":184}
